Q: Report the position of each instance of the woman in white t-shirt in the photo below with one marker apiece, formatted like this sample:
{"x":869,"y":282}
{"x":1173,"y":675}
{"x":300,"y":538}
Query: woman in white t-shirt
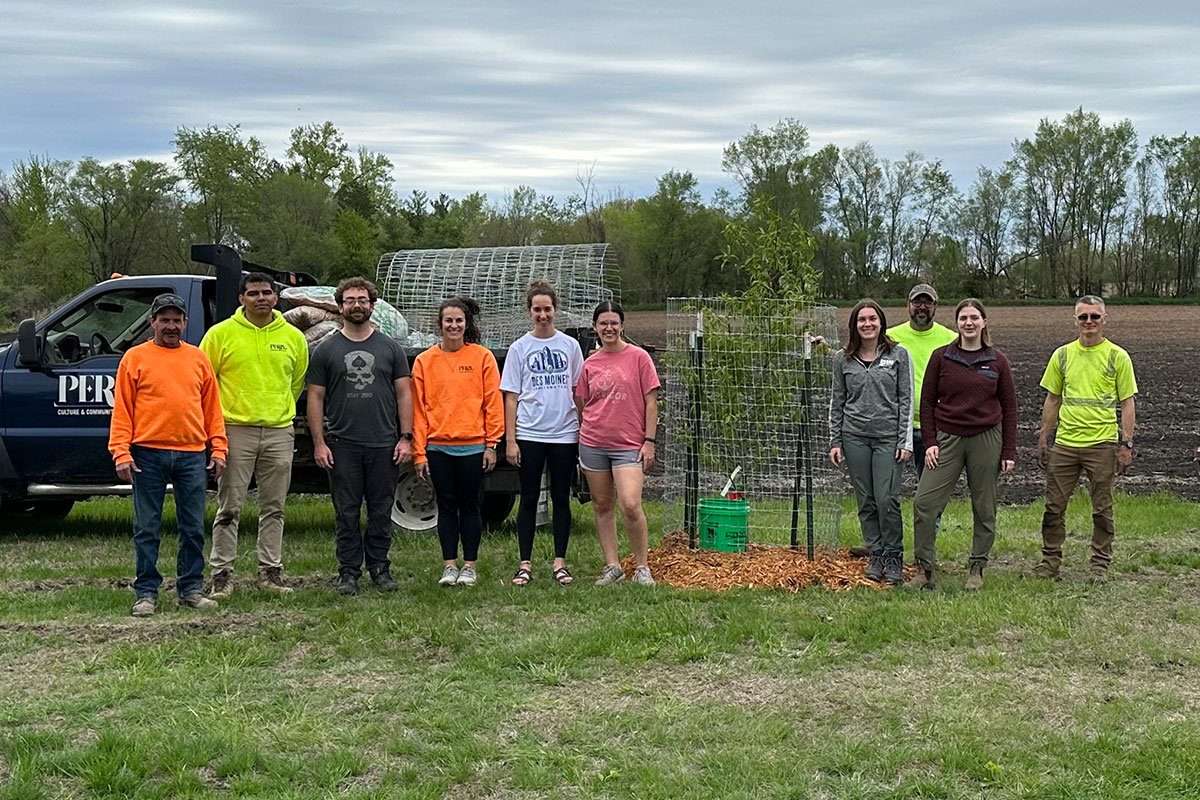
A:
{"x":617,"y":397}
{"x":541,"y":425}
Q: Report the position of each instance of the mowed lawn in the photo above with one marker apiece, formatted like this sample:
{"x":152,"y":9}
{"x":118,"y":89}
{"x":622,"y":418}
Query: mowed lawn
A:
{"x":1028,"y":689}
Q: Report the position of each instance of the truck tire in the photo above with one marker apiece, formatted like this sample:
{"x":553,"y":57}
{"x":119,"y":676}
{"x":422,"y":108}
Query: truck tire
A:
{"x":34,"y":514}
{"x":415,"y":505}
{"x":496,"y":508}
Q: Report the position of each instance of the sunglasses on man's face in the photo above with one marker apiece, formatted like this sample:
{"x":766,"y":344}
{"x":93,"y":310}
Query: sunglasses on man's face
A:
{"x":1092,"y":317}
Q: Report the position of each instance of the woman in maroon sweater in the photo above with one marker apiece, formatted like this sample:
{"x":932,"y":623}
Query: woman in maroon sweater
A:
{"x":968,"y":418}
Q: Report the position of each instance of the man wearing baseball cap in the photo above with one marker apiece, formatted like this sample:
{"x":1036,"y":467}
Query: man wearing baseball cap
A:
{"x":920,"y":336}
{"x":166,"y":413}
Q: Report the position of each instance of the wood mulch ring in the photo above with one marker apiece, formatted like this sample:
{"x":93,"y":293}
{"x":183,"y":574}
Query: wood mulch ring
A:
{"x":760,"y":567}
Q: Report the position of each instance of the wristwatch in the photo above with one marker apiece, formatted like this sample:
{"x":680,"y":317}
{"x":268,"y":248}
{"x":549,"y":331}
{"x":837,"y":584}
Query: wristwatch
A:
{"x":1127,"y":443}
{"x":406,"y":437}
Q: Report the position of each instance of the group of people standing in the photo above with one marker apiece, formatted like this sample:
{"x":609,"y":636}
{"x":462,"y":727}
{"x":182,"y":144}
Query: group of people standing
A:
{"x":234,"y":397}
{"x":943,"y":398}
{"x":946,"y":399}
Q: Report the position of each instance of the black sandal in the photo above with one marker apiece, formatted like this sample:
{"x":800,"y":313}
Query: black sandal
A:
{"x":563,"y":576}
{"x":522,"y":577}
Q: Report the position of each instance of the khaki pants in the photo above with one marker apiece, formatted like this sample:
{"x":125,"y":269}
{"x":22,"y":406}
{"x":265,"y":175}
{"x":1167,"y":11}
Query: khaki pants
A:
{"x":264,"y":454}
{"x":1063,"y":468}
{"x":980,"y":454}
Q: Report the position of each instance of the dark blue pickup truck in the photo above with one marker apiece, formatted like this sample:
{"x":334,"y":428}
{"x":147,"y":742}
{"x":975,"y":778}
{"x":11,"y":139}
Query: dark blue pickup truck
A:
{"x":56,"y":396}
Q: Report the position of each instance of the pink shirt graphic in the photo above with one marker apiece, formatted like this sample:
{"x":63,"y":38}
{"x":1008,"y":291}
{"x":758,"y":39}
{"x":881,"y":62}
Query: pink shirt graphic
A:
{"x":613,"y":387}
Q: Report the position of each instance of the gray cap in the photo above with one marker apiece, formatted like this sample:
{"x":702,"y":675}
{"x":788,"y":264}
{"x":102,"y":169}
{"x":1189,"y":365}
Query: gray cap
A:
{"x":922,"y":288}
{"x":168,"y":300}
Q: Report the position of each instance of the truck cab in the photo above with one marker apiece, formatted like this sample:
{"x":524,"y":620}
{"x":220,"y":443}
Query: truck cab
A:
{"x":56,"y":389}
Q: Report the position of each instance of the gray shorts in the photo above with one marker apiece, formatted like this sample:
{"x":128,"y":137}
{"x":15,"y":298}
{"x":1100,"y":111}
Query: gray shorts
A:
{"x":602,"y":459}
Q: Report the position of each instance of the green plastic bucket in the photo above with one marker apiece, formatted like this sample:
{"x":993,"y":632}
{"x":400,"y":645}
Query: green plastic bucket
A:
{"x":723,"y":524}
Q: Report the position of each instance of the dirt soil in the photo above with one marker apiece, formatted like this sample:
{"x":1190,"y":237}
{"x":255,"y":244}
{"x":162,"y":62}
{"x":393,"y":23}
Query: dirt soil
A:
{"x":1168,"y":404}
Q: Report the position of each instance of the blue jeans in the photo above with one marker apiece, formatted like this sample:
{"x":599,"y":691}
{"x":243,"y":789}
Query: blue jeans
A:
{"x":918,"y":461}
{"x":918,"y":455}
{"x":186,"y":472}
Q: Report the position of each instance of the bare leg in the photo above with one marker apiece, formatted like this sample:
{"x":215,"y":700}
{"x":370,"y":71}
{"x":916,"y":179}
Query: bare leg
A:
{"x":629,"y":492}
{"x":600,"y":484}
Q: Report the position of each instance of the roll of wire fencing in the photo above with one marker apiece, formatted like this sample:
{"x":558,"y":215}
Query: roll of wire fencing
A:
{"x":751,"y":391}
{"x":417,"y":281}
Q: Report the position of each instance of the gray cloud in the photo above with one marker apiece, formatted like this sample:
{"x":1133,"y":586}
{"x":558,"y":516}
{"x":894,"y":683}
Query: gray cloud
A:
{"x":466,"y":96}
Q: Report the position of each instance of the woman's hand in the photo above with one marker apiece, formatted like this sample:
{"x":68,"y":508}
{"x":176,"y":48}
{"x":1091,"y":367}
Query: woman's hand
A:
{"x":422,"y":470}
{"x":489,"y":459}
{"x":902,"y":454}
{"x":835,"y":456}
{"x":512,"y":452}
{"x":931,"y":456}
{"x":646,"y":456}
{"x":1006,"y":465}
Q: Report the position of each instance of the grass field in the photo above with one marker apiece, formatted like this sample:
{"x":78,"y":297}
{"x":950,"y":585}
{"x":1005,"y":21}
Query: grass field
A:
{"x":1027,"y":689}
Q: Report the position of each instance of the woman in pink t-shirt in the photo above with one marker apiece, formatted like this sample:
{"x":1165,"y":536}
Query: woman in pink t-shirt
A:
{"x":617,"y":396}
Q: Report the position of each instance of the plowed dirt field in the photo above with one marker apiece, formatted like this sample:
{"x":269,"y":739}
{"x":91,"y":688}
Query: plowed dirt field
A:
{"x":1164,"y":343}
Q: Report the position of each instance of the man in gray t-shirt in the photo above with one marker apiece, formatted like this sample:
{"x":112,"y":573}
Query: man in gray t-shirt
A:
{"x":360,"y":414}
{"x":359,"y":380}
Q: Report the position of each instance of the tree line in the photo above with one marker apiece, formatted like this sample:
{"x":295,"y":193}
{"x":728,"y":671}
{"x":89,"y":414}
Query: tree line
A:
{"x":1080,"y":207}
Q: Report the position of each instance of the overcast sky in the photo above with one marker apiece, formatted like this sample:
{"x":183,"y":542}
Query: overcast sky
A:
{"x":491,"y":95}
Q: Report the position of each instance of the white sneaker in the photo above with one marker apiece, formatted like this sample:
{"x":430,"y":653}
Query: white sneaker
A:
{"x":449,"y":576}
{"x":642,"y":576}
{"x":612,"y":574}
{"x":466,"y":576}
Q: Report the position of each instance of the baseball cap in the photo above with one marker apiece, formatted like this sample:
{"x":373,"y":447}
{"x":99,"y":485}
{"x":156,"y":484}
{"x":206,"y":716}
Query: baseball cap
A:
{"x":922,"y":288}
{"x":168,"y":300}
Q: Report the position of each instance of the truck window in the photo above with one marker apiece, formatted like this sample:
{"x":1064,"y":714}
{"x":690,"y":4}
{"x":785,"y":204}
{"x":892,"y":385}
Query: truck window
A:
{"x":106,"y":324}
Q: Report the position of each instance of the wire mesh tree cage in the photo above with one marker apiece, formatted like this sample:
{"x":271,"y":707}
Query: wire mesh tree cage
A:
{"x":417,"y":281}
{"x":751,"y":394}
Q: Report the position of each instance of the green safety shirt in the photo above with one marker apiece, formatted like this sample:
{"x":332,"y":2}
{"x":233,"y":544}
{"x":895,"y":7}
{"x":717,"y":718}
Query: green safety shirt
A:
{"x":920,"y":345}
{"x":260,"y":371}
{"x":1092,"y":382}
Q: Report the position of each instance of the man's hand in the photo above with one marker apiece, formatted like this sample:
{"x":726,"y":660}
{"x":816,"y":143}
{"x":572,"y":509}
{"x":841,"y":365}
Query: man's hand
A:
{"x":489,"y":459}
{"x":1006,"y":465}
{"x":1124,"y":458}
{"x":126,"y":469}
{"x":323,"y":456}
{"x":403,"y":452}
{"x":512,"y":452}
{"x":931,"y":456}
{"x":902,"y":454}
{"x":422,"y":470}
{"x":217,"y":465}
{"x":1042,"y":453}
{"x":835,"y":456}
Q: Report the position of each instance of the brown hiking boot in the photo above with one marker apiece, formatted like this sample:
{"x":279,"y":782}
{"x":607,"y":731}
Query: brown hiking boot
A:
{"x":923,"y":579}
{"x":1099,"y":575}
{"x":974,"y":579}
{"x":222,"y":584}
{"x":144,"y":607}
{"x":270,"y":579}
{"x":1046,"y":572}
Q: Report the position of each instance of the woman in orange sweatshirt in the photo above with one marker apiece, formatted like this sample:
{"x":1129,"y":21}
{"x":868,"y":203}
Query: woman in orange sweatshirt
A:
{"x":458,"y":419}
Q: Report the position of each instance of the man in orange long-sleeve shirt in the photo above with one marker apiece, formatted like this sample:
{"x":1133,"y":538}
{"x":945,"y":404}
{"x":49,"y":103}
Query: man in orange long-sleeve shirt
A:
{"x":166,"y":412}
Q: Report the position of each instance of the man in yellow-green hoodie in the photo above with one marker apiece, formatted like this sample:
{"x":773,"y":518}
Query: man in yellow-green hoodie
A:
{"x":260,"y":361}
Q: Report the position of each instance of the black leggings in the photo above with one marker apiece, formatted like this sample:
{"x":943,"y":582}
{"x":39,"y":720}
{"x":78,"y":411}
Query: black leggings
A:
{"x":458,"y":481}
{"x":561,"y":458}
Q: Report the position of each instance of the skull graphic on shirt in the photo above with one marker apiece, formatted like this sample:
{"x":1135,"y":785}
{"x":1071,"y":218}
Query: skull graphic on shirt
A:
{"x":360,"y":368}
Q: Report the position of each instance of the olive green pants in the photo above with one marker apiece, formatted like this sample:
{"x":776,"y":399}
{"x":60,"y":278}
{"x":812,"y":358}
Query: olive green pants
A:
{"x":980,"y":454}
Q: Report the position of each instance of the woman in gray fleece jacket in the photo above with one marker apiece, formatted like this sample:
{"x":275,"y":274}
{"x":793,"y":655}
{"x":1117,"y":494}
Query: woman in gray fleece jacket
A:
{"x":870,"y":428}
